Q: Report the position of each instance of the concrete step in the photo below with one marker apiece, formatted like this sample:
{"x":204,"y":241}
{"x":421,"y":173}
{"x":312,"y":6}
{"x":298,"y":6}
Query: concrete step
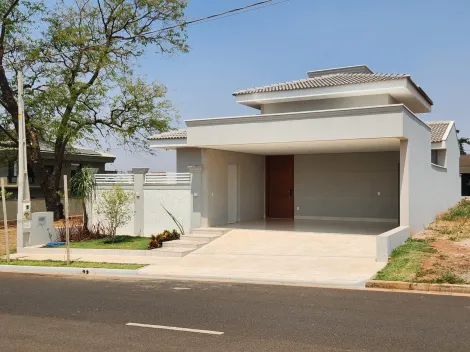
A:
{"x":184,"y":244}
{"x":208,"y":231}
{"x":172,"y":251}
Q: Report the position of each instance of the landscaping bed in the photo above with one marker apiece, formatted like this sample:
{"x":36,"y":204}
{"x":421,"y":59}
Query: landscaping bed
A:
{"x":120,"y":242}
{"x":440,"y":254}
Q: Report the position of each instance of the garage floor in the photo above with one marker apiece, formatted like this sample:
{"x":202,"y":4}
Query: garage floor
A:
{"x":336,"y":253}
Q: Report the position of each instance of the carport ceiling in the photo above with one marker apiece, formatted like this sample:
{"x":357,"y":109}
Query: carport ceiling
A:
{"x":314,"y":147}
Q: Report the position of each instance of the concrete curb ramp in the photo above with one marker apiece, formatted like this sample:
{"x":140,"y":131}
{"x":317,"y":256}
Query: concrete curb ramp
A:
{"x":411,"y":286}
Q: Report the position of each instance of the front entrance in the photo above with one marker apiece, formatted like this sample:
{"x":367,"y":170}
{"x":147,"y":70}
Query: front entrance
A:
{"x":280,"y":186}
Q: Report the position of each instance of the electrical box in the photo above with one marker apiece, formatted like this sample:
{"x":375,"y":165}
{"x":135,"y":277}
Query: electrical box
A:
{"x":42,"y":229}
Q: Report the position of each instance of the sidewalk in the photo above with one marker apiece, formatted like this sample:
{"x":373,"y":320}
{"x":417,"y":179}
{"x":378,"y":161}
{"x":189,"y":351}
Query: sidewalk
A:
{"x":261,"y":256}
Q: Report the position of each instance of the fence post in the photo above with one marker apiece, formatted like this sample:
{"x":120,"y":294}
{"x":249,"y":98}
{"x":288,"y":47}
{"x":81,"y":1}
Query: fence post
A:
{"x":197,"y":198}
{"x":5,"y":220}
{"x":139,"y":204}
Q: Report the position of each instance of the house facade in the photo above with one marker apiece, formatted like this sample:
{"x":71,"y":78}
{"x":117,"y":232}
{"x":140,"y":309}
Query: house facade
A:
{"x":73,"y":161}
{"x":343,"y":144}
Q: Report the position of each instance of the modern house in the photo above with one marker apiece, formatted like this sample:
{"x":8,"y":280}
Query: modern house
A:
{"x":465,"y":174}
{"x":343,"y":144}
{"x":75,"y":159}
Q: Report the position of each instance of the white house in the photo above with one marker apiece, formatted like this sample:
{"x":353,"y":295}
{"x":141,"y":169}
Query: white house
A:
{"x":344,"y":144}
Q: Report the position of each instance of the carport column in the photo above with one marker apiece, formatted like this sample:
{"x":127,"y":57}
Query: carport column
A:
{"x":196,"y":195}
{"x":139,"y":181}
{"x":404,"y":184}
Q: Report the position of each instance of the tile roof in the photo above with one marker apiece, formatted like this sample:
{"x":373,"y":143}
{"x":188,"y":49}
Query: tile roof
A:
{"x":71,"y":150}
{"x":328,"y":80}
{"x":438,"y":130}
{"x":175,"y":134}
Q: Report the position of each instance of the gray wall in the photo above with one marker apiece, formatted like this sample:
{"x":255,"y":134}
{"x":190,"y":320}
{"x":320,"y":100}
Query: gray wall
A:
{"x":215,"y":186}
{"x":347,"y":185}
{"x":325,"y":104}
{"x":187,"y":157}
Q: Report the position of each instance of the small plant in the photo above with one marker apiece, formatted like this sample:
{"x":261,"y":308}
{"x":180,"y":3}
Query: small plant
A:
{"x":114,"y":204}
{"x":175,"y":220}
{"x":83,"y":186}
{"x":157,"y":240}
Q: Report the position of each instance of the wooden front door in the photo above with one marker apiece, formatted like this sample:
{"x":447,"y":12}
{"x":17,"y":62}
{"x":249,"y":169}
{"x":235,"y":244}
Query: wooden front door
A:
{"x":280,"y":187}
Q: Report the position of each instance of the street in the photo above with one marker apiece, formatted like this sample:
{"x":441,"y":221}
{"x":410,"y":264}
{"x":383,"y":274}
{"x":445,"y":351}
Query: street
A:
{"x":45,"y":313}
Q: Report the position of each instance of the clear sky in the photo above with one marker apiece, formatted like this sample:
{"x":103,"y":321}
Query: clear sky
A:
{"x":428,"y":39}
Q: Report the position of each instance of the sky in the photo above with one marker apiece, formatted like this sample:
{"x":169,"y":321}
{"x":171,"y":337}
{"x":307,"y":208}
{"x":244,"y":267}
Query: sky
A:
{"x":428,"y":39}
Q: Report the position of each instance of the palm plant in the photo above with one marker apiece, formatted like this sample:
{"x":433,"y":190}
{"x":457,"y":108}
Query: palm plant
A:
{"x":83,"y":186}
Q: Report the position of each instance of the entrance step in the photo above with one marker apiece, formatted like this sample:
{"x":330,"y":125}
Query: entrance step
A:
{"x":196,"y":239}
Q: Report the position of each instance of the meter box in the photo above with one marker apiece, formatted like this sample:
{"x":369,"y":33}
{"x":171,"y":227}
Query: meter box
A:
{"x":42,"y":228}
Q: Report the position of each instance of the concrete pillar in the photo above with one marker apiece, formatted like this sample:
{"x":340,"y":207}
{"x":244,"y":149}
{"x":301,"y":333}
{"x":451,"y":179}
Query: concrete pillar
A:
{"x":139,"y":181}
{"x":404,"y":184}
{"x":196,"y":196}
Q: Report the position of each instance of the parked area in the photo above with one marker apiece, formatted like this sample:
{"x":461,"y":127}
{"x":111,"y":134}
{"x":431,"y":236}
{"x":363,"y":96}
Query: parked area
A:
{"x":440,"y":254}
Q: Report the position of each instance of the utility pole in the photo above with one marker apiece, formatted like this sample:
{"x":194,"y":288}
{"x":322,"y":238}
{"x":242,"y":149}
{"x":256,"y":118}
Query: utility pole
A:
{"x":24,"y":203}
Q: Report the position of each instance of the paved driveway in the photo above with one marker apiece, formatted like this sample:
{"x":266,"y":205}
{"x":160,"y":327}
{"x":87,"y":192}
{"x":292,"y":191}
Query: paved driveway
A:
{"x":279,"y":256}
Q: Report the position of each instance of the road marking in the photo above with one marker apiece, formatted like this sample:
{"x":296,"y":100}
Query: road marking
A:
{"x":181,"y":288}
{"x":163,"y":327}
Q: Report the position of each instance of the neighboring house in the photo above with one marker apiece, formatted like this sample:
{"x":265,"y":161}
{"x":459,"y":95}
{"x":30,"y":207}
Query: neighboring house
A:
{"x":73,"y":161}
{"x":342,"y":144}
{"x":465,"y":174}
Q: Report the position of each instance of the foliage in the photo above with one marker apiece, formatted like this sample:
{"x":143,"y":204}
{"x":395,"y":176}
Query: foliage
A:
{"x":405,"y":261}
{"x":461,"y":210}
{"x":175,"y":220}
{"x":79,"y":233}
{"x":7,"y":195}
{"x":114,"y":205}
{"x":462,"y":142}
{"x":78,"y":58}
{"x":83,"y":186}
{"x":156,"y":241}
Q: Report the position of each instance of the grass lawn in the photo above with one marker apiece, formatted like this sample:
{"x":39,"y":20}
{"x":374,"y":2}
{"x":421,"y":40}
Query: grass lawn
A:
{"x":62,"y":264}
{"x":121,"y":242}
{"x":405,"y":261}
{"x":439,"y":254}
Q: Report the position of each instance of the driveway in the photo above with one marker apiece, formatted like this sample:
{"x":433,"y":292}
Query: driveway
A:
{"x":335,"y":259}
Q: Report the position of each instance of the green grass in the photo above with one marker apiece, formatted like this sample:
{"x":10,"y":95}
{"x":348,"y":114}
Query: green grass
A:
{"x":121,"y":242}
{"x":460,"y":211}
{"x":405,"y":261}
{"x":62,"y":264}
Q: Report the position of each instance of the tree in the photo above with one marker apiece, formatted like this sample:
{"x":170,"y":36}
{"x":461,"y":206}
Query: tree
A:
{"x":114,"y":205}
{"x":78,"y":59}
{"x":462,"y":142}
{"x":83,"y":186}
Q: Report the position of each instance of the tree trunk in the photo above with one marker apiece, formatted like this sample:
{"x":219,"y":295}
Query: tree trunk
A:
{"x":85,"y":215}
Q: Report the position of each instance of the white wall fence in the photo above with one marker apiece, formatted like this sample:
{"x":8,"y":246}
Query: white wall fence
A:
{"x":154,"y":192}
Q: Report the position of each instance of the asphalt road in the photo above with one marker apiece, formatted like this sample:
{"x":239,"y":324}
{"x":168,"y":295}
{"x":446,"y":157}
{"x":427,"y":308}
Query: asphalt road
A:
{"x":41,"y":313}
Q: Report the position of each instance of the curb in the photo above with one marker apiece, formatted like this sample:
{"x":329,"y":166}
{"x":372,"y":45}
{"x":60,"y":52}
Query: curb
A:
{"x":423,"y":287}
{"x":67,"y":271}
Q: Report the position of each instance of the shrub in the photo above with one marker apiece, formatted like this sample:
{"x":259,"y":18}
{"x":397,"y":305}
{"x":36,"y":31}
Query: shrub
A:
{"x":157,"y":240}
{"x":79,"y":233}
{"x":114,"y":205}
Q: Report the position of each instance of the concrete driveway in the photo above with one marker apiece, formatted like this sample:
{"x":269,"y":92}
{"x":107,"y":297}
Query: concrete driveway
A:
{"x":336,"y":259}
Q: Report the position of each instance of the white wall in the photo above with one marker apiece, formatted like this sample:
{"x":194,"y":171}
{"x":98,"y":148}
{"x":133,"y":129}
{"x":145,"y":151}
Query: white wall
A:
{"x":187,"y":157}
{"x":325,"y":104}
{"x":432,"y":189}
{"x":215,"y":186}
{"x":156,"y":219}
{"x":347,"y":185}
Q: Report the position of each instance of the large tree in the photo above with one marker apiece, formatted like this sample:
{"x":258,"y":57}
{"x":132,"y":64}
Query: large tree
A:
{"x":78,"y":59}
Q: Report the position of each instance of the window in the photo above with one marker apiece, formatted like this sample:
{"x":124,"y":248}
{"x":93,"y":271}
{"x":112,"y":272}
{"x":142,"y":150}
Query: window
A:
{"x":438,"y":157}
{"x":434,"y":157}
{"x":13,"y":173}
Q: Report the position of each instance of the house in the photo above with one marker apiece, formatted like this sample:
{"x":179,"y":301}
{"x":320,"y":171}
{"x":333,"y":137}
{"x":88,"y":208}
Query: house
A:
{"x":73,"y":161}
{"x":343,"y":144}
{"x":465,"y":174}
